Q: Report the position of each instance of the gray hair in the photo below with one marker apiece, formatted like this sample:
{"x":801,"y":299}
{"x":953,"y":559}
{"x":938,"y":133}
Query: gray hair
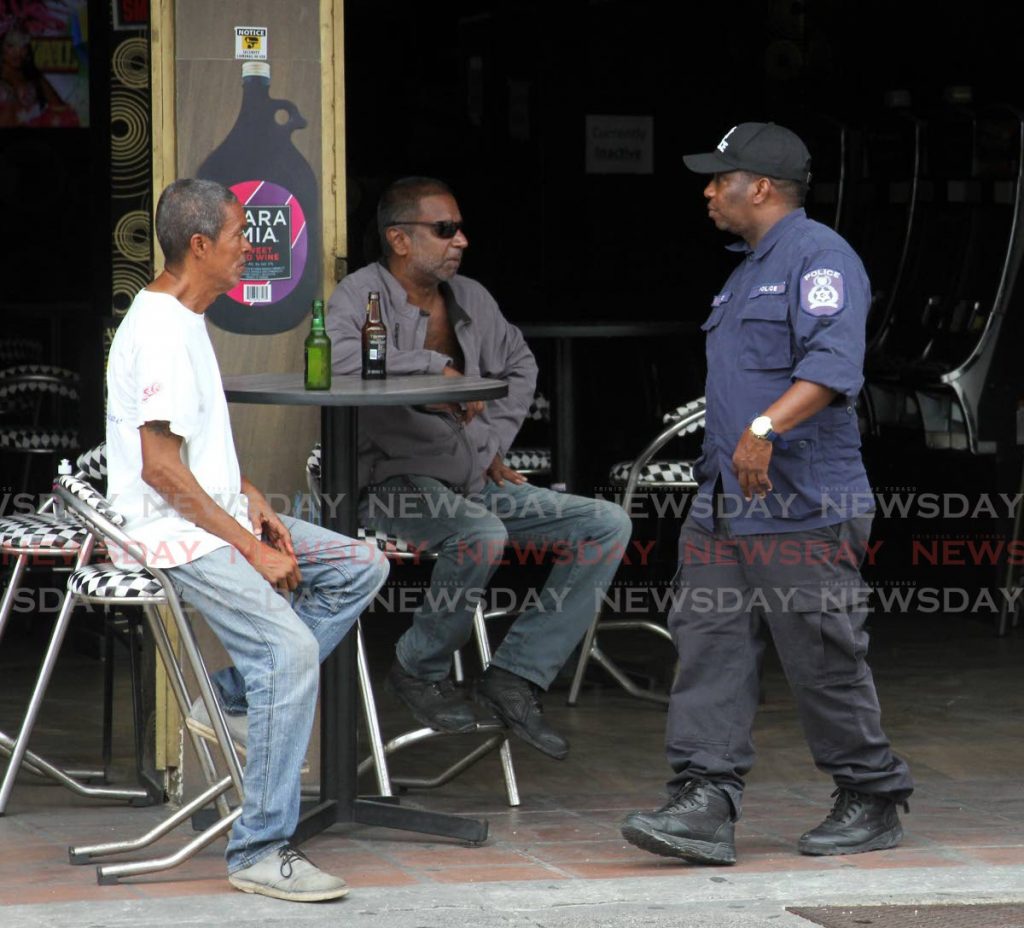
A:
{"x":188,"y":207}
{"x":401,"y":200}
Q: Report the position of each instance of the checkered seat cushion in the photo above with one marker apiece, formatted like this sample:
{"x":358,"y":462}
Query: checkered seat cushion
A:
{"x":39,"y":532}
{"x":657,"y":474}
{"x":392,"y":544}
{"x":529,"y":460}
{"x":37,"y":440}
{"x":109,"y":582}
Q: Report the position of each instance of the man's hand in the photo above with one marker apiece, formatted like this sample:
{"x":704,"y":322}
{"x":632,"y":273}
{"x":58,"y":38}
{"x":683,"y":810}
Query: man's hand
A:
{"x":750,"y":465}
{"x":265,"y":521}
{"x":275,"y":557}
{"x":499,"y":473}
{"x":469,"y":411}
{"x":279,"y":569}
{"x":466,"y":412}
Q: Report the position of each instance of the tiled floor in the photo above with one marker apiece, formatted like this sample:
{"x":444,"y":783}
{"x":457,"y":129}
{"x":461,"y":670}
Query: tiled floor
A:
{"x":953,"y":703}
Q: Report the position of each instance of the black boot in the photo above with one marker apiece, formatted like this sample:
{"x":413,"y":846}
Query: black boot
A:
{"x":695,"y":824}
{"x":434,"y":703}
{"x":515,"y":702}
{"x":858,"y":822}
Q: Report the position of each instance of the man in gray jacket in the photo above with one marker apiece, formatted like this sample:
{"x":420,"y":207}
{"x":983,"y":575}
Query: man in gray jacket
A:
{"x":435,"y":476}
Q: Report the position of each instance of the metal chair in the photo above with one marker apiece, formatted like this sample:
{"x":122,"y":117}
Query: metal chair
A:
{"x":644,"y":472}
{"x":399,"y":550}
{"x":125,"y":582}
{"x":47,"y":537}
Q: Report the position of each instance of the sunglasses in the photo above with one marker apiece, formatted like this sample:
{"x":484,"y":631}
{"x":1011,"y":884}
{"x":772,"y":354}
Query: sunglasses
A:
{"x":443,"y":228}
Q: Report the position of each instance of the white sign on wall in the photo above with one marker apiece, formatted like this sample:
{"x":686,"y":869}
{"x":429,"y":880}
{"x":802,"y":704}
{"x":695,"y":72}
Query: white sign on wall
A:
{"x":620,"y":145}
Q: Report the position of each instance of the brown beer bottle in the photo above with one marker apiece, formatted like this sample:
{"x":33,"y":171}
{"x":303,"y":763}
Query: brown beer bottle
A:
{"x":375,"y":341}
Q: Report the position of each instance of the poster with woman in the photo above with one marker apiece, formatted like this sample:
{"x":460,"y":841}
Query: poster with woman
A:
{"x":44,"y":65}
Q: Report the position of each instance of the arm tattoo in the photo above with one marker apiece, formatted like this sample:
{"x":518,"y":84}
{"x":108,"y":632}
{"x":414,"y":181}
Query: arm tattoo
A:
{"x":159,"y":427}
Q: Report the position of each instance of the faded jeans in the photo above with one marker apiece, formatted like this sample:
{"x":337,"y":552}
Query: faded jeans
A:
{"x":584,"y":539}
{"x":277,"y":643}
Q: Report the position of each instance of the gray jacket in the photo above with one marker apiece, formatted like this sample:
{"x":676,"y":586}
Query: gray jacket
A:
{"x":399,"y":440}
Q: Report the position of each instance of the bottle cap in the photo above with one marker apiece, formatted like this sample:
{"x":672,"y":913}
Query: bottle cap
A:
{"x":256,"y":69}
{"x":64,"y":468}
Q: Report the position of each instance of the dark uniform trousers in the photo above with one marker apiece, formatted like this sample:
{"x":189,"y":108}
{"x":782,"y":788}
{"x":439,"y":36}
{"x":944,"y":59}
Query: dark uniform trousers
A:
{"x":806,"y":588}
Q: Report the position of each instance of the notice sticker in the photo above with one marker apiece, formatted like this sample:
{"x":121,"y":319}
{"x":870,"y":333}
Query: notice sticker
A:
{"x":251,"y":43}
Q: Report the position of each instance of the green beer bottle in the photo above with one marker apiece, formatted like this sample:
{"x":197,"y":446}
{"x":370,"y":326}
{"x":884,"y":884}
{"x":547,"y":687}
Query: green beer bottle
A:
{"x":318,"y":352}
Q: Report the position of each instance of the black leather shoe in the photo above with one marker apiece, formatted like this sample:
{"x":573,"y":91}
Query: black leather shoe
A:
{"x":858,"y":822}
{"x":434,"y":703}
{"x":515,"y":702}
{"x":695,"y":824}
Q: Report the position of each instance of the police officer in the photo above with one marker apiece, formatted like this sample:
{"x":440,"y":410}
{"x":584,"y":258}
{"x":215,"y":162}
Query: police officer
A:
{"x":779,"y":526}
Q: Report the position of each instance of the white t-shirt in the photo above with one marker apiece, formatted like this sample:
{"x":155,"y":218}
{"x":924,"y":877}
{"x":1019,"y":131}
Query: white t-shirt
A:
{"x":162,"y":368}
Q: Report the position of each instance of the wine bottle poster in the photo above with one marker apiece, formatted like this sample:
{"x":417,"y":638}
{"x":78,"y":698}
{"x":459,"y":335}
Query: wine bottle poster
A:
{"x":258,"y":160}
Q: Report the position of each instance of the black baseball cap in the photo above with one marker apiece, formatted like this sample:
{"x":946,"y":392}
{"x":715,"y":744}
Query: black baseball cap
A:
{"x":758,"y":147}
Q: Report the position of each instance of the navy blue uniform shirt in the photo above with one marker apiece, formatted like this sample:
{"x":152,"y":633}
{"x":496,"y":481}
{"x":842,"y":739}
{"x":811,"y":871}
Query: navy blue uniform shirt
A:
{"x":794,"y":309}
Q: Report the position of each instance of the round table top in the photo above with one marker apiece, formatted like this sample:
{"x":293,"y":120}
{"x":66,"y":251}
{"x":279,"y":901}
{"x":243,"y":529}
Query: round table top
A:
{"x":352,"y":390}
{"x":597,"y":328}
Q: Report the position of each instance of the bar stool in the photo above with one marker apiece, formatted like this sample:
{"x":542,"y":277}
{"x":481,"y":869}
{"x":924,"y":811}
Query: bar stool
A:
{"x":647,"y":473}
{"x":47,"y":536}
{"x":126,"y":583}
{"x":400,"y":550}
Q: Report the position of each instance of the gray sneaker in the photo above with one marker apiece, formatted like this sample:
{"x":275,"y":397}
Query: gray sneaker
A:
{"x":290,"y":875}
{"x":238,"y":727}
{"x":199,"y":721}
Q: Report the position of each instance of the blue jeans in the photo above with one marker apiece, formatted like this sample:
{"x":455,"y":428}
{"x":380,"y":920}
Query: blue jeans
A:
{"x":584,"y":538}
{"x":277,"y":643}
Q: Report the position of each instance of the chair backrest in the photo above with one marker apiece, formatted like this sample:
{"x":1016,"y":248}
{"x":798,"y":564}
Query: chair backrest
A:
{"x":91,"y":507}
{"x":24,"y":391}
{"x":314,"y":473}
{"x":32,"y":369}
{"x":92,"y":464}
{"x":15,"y":349}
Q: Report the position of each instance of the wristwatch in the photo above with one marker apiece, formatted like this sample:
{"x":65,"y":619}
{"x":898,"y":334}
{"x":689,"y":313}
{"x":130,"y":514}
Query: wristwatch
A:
{"x":761,"y":428}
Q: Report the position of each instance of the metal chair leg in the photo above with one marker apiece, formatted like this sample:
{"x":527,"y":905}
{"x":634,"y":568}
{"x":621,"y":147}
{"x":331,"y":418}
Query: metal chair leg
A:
{"x":586,"y":648}
{"x":39,"y":691}
{"x":377,"y":751}
{"x":484,"y":647}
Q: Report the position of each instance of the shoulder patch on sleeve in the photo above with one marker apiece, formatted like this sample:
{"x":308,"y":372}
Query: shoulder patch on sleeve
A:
{"x":822,"y":292}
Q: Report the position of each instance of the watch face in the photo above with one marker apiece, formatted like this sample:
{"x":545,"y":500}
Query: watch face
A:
{"x":761,"y":426}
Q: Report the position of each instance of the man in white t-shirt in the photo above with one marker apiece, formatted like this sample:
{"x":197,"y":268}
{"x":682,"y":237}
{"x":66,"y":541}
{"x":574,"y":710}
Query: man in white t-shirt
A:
{"x":278,"y":592}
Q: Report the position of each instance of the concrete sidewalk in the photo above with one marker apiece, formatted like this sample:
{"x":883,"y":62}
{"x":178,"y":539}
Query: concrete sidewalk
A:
{"x":703,"y":898}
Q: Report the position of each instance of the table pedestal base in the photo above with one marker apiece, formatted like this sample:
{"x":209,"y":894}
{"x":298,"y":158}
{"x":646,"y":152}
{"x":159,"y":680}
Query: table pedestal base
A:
{"x":381,"y":811}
